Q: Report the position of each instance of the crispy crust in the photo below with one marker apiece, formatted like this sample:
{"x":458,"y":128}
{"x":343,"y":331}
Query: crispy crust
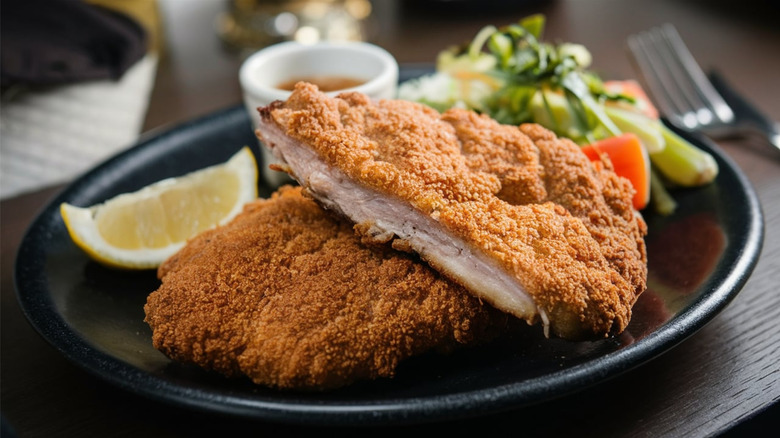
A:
{"x":288,"y":296}
{"x":562,"y":227}
{"x":540,"y":167}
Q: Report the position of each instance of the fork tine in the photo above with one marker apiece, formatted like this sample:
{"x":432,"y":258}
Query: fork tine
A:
{"x":685,"y":95}
{"x":659,"y":81}
{"x":702,"y":85}
{"x":697,"y":111}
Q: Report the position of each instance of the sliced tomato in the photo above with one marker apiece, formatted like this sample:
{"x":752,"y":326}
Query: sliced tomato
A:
{"x":629,"y":159}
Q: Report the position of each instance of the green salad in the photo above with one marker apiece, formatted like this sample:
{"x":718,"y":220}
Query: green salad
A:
{"x":513,"y":76}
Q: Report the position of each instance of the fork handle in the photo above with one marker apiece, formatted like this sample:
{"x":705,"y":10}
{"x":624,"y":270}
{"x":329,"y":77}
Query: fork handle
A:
{"x":747,"y":114}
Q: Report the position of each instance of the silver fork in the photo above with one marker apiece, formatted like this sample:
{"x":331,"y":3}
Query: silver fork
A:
{"x":687,"y":97}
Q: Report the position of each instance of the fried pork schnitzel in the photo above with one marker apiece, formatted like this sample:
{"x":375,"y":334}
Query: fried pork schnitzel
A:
{"x":288,"y":296}
{"x":520,"y":218}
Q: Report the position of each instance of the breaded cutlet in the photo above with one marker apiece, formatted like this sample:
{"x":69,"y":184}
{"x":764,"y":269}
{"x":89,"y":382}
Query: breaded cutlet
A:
{"x":288,"y":296}
{"x":520,"y":218}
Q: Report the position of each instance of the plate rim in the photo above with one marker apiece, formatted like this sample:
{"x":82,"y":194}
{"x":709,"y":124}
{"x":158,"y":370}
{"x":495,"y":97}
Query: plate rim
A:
{"x":38,"y":307}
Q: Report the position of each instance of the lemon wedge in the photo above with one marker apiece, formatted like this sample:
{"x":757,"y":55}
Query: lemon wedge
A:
{"x":142,"y":229}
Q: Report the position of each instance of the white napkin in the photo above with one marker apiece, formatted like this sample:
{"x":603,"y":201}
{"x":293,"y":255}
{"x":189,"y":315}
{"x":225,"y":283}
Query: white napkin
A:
{"x":51,"y":136}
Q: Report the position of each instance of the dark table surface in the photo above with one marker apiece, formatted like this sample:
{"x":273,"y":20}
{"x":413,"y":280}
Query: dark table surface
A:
{"x":725,"y":374}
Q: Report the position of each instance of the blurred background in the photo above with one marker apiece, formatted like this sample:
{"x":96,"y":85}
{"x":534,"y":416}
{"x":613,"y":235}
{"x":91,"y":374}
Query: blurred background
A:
{"x":101,"y":72}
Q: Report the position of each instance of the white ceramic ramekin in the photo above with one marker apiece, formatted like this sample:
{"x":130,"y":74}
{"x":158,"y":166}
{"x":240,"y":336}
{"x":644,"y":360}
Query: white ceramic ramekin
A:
{"x":263,"y":71}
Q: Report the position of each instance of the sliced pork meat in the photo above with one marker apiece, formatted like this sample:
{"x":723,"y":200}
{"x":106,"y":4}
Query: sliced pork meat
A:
{"x":520,"y":218}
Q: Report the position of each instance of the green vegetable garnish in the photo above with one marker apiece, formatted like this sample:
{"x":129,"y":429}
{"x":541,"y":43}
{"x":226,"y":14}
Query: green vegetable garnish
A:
{"x":526,"y":67}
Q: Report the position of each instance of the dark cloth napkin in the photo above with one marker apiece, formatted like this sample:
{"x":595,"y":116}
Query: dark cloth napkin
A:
{"x":49,"y":42}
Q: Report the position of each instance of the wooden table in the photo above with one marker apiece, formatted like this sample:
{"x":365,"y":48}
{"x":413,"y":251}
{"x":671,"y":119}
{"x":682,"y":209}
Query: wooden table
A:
{"x":726,"y":373}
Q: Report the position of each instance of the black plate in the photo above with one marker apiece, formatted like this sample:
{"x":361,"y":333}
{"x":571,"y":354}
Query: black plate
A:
{"x":699,"y":259}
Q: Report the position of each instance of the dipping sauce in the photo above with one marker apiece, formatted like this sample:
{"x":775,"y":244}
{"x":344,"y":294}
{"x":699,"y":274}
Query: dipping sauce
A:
{"x":324,"y":83}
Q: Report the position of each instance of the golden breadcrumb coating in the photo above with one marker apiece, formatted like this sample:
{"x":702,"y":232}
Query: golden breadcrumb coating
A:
{"x":540,"y":167}
{"x":288,"y":296}
{"x":562,"y":227}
